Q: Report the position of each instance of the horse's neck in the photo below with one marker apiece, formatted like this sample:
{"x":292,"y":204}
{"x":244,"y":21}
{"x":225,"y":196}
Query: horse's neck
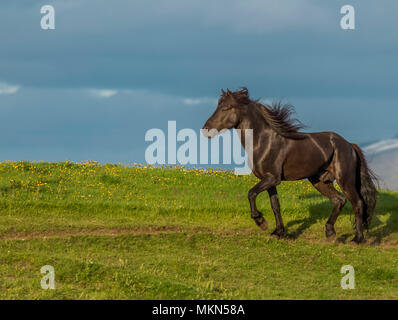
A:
{"x":261,"y":132}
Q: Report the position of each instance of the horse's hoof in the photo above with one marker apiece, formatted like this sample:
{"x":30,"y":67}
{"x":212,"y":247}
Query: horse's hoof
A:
{"x":358,"y":240}
{"x":277,"y":234}
{"x":330,"y":233}
{"x":262,"y":223}
{"x":329,"y":230}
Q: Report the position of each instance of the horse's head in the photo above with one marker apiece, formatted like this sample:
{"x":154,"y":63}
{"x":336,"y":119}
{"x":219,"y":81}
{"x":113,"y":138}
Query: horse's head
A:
{"x":228,"y":113}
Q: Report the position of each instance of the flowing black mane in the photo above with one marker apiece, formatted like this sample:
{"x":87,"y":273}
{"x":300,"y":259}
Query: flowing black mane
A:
{"x":279,"y":118}
{"x":277,"y":115}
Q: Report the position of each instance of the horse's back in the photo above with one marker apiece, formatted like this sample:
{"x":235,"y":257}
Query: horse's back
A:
{"x":312,"y":155}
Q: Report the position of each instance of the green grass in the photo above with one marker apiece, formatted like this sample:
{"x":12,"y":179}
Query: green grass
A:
{"x":117,"y":232}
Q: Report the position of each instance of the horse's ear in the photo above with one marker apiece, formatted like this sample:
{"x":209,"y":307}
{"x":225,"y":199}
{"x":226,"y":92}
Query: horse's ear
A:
{"x":229,"y":91}
{"x":222,"y":92}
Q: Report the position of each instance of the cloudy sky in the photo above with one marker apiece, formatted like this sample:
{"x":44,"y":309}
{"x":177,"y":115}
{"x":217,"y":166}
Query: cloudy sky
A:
{"x":111,"y":70}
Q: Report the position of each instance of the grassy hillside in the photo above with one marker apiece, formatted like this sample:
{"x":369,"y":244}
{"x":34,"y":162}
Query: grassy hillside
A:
{"x":116,"y":232}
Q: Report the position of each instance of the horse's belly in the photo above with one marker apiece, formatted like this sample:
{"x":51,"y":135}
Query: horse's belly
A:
{"x":303,"y":165}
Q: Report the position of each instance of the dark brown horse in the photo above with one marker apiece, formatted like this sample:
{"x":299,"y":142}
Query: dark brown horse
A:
{"x":281,"y":152}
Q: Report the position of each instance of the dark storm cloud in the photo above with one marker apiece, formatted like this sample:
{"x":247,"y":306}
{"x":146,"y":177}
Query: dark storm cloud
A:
{"x":155,"y":54}
{"x":289,"y":48}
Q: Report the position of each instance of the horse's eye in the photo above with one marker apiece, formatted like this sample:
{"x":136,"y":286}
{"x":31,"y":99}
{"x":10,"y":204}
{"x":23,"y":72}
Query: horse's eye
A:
{"x":226,"y":108}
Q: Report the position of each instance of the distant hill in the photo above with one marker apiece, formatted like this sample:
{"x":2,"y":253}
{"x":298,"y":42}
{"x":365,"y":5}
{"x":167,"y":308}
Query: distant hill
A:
{"x":383,"y":159}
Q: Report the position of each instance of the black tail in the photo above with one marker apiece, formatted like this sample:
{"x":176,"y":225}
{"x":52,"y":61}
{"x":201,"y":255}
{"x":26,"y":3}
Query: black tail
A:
{"x":366,"y":187}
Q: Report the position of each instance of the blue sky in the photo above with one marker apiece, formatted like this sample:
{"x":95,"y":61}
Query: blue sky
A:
{"x":110,"y":71}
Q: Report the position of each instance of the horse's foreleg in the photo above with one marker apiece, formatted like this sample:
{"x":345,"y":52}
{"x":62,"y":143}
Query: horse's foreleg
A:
{"x":266,"y":183}
{"x":280,"y":228}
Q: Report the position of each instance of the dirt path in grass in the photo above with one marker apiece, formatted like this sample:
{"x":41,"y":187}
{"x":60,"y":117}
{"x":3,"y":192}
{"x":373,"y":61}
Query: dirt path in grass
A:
{"x":14,"y":235}
{"x":88,"y":232}
{"x":65,"y":234}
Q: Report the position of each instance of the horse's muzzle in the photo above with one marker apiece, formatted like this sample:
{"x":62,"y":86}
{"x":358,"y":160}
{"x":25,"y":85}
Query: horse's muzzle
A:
{"x":209,"y":132}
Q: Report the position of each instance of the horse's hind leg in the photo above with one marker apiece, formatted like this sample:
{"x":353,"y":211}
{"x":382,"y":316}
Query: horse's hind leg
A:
{"x":349,"y":189}
{"x":345,"y":171}
{"x":338,"y":200}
